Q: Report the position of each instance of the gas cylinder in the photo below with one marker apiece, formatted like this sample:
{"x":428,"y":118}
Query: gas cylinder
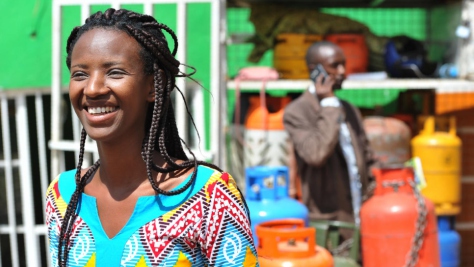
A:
{"x":394,"y":222}
{"x":267,"y":196}
{"x":265,"y":140}
{"x":449,"y":242}
{"x":285,"y":243}
{"x":289,"y":54}
{"x":440,"y":155}
{"x":355,"y":50}
{"x":389,"y":139}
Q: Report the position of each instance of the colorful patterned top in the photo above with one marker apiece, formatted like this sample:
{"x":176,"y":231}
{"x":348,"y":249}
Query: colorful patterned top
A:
{"x":206,"y":225}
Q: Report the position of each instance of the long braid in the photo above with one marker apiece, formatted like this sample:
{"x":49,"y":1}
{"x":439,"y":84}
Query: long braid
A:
{"x":161,"y":132}
{"x":67,"y":225}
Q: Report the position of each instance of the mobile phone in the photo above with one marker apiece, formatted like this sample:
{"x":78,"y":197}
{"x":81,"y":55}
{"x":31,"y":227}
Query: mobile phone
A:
{"x":318,"y":70}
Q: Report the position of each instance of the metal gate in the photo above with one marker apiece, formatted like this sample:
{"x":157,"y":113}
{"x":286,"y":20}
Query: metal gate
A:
{"x":24,"y":176}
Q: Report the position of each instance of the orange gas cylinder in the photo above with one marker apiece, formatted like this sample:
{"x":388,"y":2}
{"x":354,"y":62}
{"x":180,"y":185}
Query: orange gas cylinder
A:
{"x":398,"y":225}
{"x":289,"y":243}
{"x":265,"y":138}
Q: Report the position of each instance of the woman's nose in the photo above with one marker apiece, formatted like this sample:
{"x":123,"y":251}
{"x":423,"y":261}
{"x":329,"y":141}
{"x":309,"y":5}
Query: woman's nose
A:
{"x":95,"y":86}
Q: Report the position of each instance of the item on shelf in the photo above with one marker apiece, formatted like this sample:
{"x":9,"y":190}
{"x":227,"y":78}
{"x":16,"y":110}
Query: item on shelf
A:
{"x":449,"y":242}
{"x":328,"y":236}
{"x":284,"y":243}
{"x":398,"y":224}
{"x":406,"y":57}
{"x":236,"y":144}
{"x":290,"y":52}
{"x":355,"y":49}
{"x":448,"y":70}
{"x":267,"y":196}
{"x":266,"y":142}
{"x":389,"y":139}
{"x":440,"y":155}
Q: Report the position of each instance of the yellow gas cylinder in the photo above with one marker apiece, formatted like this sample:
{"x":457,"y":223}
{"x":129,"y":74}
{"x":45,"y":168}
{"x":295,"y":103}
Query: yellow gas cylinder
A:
{"x":440,"y":155}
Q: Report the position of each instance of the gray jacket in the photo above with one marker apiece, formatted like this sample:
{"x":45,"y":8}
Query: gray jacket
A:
{"x":314,"y":131}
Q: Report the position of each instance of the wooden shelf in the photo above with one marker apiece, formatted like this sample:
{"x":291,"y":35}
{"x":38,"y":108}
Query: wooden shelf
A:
{"x":439,"y":85}
{"x":347,"y":3}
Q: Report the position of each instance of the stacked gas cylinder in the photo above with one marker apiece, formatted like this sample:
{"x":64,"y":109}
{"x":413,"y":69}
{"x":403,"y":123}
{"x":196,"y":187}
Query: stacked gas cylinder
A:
{"x":440,"y":155}
{"x":279,"y":222}
{"x":399,"y":223}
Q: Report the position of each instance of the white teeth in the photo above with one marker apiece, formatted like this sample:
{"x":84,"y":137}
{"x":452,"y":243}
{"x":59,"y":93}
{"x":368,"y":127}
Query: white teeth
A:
{"x":99,"y":110}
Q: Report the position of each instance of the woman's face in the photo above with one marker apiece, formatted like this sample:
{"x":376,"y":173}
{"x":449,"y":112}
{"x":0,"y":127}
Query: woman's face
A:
{"x":108,"y":88}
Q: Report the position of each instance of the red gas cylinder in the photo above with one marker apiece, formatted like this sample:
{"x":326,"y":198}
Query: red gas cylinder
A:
{"x":288,"y":242}
{"x":398,"y":225}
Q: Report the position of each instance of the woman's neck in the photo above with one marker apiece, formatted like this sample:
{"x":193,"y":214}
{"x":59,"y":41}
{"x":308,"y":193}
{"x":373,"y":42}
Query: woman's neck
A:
{"x":121,"y":165}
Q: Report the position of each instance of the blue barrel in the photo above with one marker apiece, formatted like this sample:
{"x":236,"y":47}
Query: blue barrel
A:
{"x":449,"y":242}
{"x":267,"y":196}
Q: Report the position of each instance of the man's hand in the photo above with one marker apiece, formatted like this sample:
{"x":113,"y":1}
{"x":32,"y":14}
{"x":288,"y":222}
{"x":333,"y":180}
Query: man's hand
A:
{"x":324,"y":88}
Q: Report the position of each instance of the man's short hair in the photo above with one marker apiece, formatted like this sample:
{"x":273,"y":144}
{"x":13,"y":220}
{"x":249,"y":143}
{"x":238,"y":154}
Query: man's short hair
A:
{"x":314,"y":50}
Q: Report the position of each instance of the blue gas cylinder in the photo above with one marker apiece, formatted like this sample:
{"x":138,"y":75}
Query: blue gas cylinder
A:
{"x":449,"y":242}
{"x":267,"y":196}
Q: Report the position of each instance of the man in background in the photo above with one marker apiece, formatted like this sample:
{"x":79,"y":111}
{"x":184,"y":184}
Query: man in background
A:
{"x":331,"y":149}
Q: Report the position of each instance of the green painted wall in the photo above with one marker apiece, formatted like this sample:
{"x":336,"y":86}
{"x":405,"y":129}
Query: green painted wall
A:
{"x":25,"y":39}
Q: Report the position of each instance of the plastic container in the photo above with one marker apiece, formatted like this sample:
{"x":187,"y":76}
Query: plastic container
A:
{"x":289,"y":54}
{"x":355,"y":49}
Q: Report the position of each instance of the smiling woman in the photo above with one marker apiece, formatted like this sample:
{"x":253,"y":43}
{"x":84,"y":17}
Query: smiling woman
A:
{"x":144,"y":203}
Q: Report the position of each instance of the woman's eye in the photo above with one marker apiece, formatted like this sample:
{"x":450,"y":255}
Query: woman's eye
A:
{"x":78,"y":75}
{"x":116,"y":74}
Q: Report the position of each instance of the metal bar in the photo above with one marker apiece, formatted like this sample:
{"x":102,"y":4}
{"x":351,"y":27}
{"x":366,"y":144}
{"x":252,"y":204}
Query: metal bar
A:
{"x":115,"y":5}
{"x":218,"y":69}
{"x":9,"y":93}
{"x":42,"y":154}
{"x":76,"y":133}
{"x":148,"y":8}
{"x":122,"y":2}
{"x":85,"y":11}
{"x":10,"y":190}
{"x":56,"y":132}
{"x":180,"y":109}
{"x":39,"y":229}
{"x":27,"y":203}
{"x":14,"y":163}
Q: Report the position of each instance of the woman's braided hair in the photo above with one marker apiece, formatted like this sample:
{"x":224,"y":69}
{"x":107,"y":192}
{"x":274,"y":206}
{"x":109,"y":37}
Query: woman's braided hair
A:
{"x":161,"y":131}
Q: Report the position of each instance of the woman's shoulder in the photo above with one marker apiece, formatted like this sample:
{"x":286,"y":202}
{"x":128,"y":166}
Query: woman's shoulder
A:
{"x":62,"y":186}
{"x":217,"y":179}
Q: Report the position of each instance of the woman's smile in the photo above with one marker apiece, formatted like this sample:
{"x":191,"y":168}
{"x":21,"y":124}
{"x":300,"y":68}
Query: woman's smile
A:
{"x":100,"y":110}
